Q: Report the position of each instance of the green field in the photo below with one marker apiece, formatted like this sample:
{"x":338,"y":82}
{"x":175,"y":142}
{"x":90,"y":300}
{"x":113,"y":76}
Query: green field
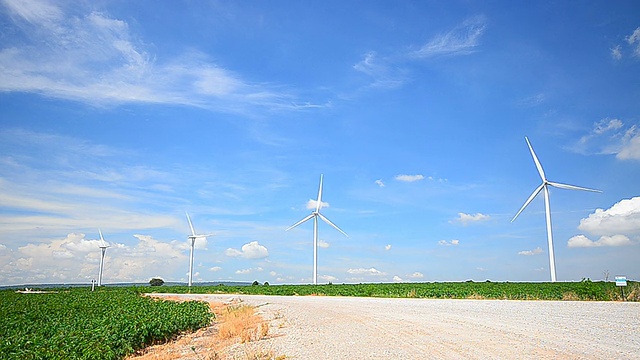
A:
{"x":109,"y":323}
{"x":113,"y":322}
{"x":584,"y":290}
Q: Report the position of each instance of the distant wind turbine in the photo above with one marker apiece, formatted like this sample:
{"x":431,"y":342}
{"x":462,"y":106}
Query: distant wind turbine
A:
{"x":315,"y":214}
{"x":545,"y":187}
{"x":103,"y":249}
{"x":193,"y":238}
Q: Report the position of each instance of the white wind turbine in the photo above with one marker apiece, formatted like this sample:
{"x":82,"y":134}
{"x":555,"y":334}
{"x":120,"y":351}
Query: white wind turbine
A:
{"x":103,"y":249}
{"x":193,"y":238}
{"x":315,"y":214}
{"x":545,"y":187}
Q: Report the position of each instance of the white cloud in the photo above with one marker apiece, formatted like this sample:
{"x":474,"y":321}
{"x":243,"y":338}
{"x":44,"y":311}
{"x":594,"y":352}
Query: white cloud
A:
{"x":380,"y":183}
{"x":273,"y":273}
{"x":327,"y":278}
{"x":416,"y":275}
{"x":387,"y":247}
{"x":76,"y":259}
{"x":616,"y":52}
{"x":622,"y":218}
{"x":409,"y":178}
{"x":252,"y":250}
{"x":634,"y":41}
{"x":610,"y":137}
{"x":535,"y":251}
{"x":616,"y":226}
{"x":363,"y":271}
{"x":384,"y":74}
{"x":311,"y":204}
{"x":323,"y":244}
{"x":448,"y":243}
{"x":583,"y":241}
{"x":466,"y":219}
{"x":66,"y":51}
{"x":461,"y":40}
{"x":215,"y":268}
{"x":397,"y":278}
{"x":249,"y":271}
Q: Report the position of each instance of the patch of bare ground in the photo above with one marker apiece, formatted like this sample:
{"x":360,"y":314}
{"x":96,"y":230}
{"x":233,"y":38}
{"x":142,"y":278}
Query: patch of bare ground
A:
{"x":235,"y":334}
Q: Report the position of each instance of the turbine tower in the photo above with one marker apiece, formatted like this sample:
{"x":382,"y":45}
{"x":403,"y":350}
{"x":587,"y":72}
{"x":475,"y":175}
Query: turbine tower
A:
{"x":545,"y":187}
{"x":193,"y":238}
{"x":103,"y":249}
{"x":315,"y":215}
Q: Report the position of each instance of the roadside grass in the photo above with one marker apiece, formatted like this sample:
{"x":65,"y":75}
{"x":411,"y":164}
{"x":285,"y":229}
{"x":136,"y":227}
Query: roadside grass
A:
{"x":236,"y":335}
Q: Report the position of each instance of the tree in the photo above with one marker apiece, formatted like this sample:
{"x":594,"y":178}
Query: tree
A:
{"x":156,"y":282}
{"x":255,"y":283}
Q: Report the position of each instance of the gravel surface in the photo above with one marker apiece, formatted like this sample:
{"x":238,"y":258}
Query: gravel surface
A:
{"x":319,"y":327}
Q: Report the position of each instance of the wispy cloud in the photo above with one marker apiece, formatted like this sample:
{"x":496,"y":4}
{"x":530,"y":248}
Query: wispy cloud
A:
{"x":385,"y":74}
{"x":535,"y":251}
{"x":449,"y":243}
{"x":610,"y":136}
{"x":363,"y":271}
{"x":632,"y":43}
{"x":93,"y":58}
{"x":461,"y":40}
{"x":380,"y":183}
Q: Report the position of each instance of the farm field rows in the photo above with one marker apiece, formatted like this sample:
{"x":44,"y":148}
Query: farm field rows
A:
{"x":584,"y":290}
{"x":109,"y":323}
{"x":113,"y":322}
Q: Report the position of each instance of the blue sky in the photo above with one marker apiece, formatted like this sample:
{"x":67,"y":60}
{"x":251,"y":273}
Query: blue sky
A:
{"x":124,"y":115}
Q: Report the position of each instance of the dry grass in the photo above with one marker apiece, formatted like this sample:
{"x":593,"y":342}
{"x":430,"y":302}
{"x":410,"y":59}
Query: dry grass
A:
{"x":235,"y":323}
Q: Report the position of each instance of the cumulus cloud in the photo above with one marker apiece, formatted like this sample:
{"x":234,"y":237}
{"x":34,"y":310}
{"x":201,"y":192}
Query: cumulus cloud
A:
{"x":252,"y":250}
{"x":448,"y":243}
{"x":583,"y":241}
{"x":311,"y":204}
{"x":409,"y":178}
{"x":215,"y":268}
{"x":466,"y":219}
{"x":249,"y":271}
{"x":363,"y":271}
{"x":387,"y":247}
{"x":397,"y":278}
{"x":380,"y":183}
{"x":416,"y":275}
{"x":535,"y":251}
{"x":327,"y":278}
{"x":323,"y":244}
{"x":617,"y":226}
{"x":76,"y":259}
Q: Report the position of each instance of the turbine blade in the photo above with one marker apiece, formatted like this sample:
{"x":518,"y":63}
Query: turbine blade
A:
{"x":571,"y":187}
{"x":193,"y":232}
{"x":300,"y":222}
{"x":332,"y":224}
{"x":101,"y":238}
{"x":531,"y":197}
{"x":319,"y":202}
{"x":535,"y":159}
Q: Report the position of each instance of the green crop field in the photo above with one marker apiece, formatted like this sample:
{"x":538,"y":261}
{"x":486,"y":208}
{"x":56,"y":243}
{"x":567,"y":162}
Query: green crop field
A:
{"x":109,"y":323}
{"x":584,"y":290}
{"x":113,"y":322}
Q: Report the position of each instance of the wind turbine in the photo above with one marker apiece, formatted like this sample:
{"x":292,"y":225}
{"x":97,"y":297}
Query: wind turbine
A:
{"x":315,"y":215}
{"x":545,"y":187}
{"x":103,"y":249}
{"x":193,"y":238}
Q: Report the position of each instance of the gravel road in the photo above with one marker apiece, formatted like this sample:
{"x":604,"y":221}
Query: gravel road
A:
{"x":319,"y":327}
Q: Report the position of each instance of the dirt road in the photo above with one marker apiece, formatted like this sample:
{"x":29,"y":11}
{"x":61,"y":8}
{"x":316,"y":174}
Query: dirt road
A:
{"x":318,"y":327}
